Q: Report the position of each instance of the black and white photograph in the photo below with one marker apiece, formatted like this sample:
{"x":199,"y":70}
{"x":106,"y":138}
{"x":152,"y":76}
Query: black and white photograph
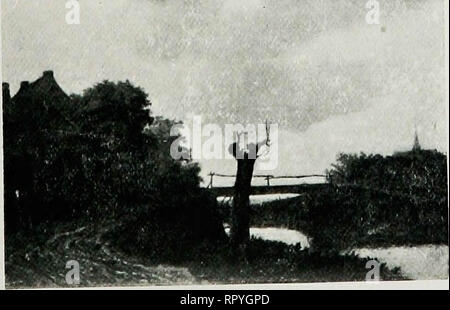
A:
{"x":207,"y":143}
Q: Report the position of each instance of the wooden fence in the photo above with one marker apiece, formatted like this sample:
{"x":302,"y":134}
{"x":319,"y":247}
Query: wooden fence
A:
{"x":267,"y":177}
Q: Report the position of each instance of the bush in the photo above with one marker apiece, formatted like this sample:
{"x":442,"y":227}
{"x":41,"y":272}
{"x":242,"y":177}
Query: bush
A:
{"x":419,"y":173}
{"x":345,"y":217}
{"x":170,"y":231}
{"x":98,"y":156}
{"x":372,"y":200}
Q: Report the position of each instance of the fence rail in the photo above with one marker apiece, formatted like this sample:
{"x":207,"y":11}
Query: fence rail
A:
{"x":267,"y":177}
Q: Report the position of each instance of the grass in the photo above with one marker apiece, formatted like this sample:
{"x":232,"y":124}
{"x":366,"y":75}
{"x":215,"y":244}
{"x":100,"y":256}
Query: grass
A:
{"x":40,"y":262}
{"x":276,"y":262}
{"x":38,"y":259}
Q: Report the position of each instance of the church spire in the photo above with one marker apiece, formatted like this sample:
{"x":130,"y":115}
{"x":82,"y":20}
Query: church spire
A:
{"x":416,"y":146}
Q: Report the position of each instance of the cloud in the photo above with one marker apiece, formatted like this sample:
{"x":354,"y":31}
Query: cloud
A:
{"x":314,"y":67}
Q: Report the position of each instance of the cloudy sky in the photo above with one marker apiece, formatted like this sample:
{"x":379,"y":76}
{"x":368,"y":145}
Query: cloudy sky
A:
{"x":332,"y":82}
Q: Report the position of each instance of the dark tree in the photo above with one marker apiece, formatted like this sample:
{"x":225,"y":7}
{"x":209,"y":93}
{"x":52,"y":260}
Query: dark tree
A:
{"x":246,"y":157}
{"x":101,"y":157}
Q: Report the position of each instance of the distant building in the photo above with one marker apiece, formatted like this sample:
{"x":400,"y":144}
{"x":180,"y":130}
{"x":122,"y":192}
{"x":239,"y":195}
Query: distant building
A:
{"x":45,"y":87}
{"x":416,"y":146}
{"x":415,"y":151}
{"x":42,"y":100}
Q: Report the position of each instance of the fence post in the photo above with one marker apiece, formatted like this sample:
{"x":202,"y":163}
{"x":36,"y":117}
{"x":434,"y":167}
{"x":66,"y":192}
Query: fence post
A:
{"x":268,"y":180}
{"x":211,"y":175}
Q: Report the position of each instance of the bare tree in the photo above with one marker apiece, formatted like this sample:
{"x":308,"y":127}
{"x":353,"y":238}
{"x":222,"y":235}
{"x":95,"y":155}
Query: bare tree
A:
{"x":246,"y":155}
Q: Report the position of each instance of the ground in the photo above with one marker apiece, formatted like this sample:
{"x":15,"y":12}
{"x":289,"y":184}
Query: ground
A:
{"x":42,"y":263}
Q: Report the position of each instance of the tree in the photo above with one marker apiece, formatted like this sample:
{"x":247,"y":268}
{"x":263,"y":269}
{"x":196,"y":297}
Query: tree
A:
{"x":246,"y":155}
{"x":101,"y":156}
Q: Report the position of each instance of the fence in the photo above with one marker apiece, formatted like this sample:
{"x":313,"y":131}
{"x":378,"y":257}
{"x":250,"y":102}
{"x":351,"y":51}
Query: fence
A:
{"x":267,"y":177}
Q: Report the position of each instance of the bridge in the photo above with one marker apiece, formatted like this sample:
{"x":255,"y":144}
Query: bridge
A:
{"x":267,"y":189}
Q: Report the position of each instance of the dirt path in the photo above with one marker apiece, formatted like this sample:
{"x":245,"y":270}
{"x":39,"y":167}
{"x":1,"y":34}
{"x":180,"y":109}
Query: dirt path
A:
{"x":45,"y":266}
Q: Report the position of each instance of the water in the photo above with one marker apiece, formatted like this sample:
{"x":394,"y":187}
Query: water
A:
{"x":259,"y":199}
{"x":423,"y":262}
{"x":284,"y":235}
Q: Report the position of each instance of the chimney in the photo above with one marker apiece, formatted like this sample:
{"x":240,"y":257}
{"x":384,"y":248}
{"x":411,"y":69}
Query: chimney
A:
{"x":24,"y":85}
{"x":6,"y":94}
{"x":48,"y":74}
{"x":24,"y":88}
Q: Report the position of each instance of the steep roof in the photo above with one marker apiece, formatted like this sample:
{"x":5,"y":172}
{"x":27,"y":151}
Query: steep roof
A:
{"x":44,"y":100}
{"x":45,"y":86}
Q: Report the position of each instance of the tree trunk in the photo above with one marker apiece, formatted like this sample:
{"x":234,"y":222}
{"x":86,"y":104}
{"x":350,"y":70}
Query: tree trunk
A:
{"x":240,"y":213}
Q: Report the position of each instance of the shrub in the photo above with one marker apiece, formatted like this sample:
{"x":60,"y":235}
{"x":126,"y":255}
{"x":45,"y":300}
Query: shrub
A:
{"x":97,"y":156}
{"x":372,"y":200}
{"x":344,"y":217}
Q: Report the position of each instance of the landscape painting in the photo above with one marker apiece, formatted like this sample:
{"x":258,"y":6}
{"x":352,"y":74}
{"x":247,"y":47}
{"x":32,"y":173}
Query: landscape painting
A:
{"x":167,"y":143}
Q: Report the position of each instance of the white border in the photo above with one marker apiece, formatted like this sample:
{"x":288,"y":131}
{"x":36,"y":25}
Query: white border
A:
{"x":372,"y":286}
{"x":382,"y":285}
{"x":2,"y":231}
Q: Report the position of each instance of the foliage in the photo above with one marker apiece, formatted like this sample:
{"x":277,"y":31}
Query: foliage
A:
{"x":372,"y":200}
{"x":420,"y":173}
{"x":276,"y":262}
{"x":101,"y":155}
{"x":345,"y":217}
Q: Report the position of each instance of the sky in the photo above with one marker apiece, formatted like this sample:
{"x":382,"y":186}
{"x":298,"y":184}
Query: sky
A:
{"x":330,"y":81}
